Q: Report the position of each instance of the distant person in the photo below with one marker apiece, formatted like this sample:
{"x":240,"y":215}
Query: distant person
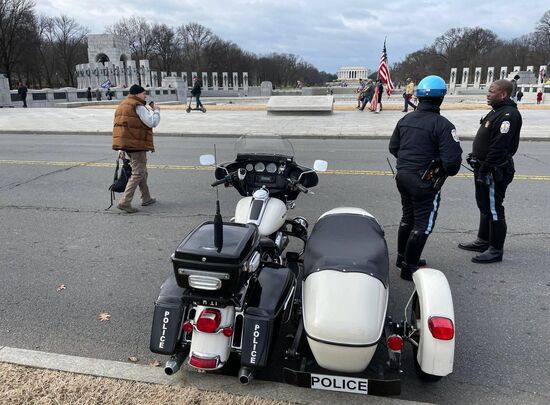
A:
{"x":407,"y":95}
{"x":109,"y":94}
{"x":368,"y":94}
{"x":133,"y":135}
{"x":539,"y":97}
{"x":494,"y":146}
{"x":359,"y":92}
{"x":196,"y":91}
{"x":22,"y":91}
{"x":519,"y":95}
{"x":98,"y":94}
{"x":514,"y":93}
{"x":380,"y":93}
{"x":89,"y":94}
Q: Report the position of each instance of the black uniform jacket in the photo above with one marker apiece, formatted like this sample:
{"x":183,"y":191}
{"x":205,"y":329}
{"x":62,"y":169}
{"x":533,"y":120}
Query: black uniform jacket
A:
{"x":497,"y":138}
{"x":422,"y":136}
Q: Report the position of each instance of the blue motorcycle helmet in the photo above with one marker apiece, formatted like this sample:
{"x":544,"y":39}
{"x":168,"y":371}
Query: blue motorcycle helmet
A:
{"x":431,"y":86}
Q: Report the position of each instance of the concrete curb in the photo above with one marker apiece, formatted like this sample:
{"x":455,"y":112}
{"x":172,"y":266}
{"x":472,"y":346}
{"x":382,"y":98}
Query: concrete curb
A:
{"x":209,"y":382}
{"x":205,"y":135}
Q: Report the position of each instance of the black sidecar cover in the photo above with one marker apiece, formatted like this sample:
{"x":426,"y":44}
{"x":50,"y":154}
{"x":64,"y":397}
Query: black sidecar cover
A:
{"x":349,"y":243}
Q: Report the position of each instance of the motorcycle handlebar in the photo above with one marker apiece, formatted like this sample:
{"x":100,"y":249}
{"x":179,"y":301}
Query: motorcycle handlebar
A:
{"x":226,"y":179}
{"x":297,"y":185}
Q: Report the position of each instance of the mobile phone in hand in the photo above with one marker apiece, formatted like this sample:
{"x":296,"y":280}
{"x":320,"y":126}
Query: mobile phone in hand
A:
{"x":151,"y":104}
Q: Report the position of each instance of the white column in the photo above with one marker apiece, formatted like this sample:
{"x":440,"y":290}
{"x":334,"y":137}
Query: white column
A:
{"x":245,"y":81}
{"x":477,"y":77}
{"x":235,"y":81}
{"x":215,"y":83}
{"x":465,"y":78}
{"x":503,"y":72}
{"x":225,"y":81}
{"x":205,"y":80}
{"x":490,"y":75}
{"x":452,"y":80}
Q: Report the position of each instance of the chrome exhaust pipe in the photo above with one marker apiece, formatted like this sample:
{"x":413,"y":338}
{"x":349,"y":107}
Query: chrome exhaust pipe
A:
{"x":173,"y":365}
{"x":245,"y":375}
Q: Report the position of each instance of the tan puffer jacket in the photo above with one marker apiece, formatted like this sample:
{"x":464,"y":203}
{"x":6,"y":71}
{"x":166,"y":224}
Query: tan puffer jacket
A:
{"x":129,"y":132}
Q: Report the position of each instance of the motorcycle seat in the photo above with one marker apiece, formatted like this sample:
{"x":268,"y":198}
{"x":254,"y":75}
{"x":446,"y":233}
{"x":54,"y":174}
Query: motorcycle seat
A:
{"x":347,"y":242}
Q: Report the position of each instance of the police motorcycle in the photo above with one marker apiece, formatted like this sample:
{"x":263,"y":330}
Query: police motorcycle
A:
{"x":232,"y":288}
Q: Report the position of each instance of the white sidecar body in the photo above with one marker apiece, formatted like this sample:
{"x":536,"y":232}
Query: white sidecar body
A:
{"x":345,"y":289}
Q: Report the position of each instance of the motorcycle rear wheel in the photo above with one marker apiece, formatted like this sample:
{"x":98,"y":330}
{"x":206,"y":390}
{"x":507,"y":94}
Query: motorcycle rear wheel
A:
{"x":416,"y":316}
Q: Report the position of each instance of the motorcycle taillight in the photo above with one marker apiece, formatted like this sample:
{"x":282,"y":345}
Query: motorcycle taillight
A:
{"x":441,"y":328}
{"x":203,"y":363}
{"x":209,"y":320}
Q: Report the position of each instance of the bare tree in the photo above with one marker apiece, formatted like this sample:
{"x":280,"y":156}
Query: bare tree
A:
{"x":17,"y":24}
{"x":194,"y":38}
{"x":164,"y":45}
{"x":69,"y":45}
{"x":138,"y":33}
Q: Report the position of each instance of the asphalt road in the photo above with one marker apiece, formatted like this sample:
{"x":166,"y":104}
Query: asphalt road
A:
{"x":55,"y":231}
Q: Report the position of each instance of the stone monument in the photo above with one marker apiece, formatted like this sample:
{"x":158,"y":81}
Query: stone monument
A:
{"x":245,"y":81}
{"x":205,"y":80}
{"x":465,"y":73}
{"x":215,"y":83}
{"x":503,"y":72}
{"x":477,"y":77}
{"x":235,"y":81}
{"x":5,"y":96}
{"x":490,"y":75}
{"x":225,"y":81}
{"x":452,"y":80}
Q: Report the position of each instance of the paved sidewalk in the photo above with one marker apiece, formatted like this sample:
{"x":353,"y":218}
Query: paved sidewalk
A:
{"x":340,"y":124}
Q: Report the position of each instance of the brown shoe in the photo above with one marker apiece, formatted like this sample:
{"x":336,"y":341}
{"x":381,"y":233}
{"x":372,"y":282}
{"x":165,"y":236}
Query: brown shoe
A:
{"x":127,"y":208}
{"x":149,"y":202}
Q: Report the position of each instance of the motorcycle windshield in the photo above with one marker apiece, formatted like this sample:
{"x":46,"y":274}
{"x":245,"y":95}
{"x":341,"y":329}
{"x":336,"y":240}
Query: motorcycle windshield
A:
{"x":264,"y":145}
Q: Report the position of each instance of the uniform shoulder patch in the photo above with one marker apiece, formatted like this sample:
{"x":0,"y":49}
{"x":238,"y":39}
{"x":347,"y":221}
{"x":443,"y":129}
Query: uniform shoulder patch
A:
{"x":504,"y":127}
{"x":455,"y":135}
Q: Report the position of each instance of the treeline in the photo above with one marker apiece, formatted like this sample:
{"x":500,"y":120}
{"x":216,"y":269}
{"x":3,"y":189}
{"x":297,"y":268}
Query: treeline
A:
{"x":43,"y":51}
{"x":476,"y":47}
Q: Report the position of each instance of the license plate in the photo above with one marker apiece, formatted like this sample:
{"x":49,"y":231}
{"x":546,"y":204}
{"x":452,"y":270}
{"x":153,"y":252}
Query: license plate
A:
{"x":340,"y":383}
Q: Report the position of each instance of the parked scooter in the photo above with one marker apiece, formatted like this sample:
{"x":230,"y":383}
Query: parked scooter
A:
{"x":232,"y":286}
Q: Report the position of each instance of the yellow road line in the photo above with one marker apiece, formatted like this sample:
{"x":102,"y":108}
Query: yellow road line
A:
{"x":344,"y":172}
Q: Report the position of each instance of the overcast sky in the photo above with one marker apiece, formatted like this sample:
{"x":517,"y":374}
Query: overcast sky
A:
{"x":327,"y":33}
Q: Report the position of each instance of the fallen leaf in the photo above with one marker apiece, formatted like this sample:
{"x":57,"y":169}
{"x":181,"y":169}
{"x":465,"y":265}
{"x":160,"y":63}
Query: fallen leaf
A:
{"x":104,"y":316}
{"x":61,"y":287}
{"x":155,"y":363}
{"x":133,"y":359}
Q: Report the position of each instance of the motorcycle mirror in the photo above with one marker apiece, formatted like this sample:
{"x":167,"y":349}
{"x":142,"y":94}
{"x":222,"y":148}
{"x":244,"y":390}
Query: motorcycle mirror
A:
{"x":207,"y":160}
{"x":320,"y":165}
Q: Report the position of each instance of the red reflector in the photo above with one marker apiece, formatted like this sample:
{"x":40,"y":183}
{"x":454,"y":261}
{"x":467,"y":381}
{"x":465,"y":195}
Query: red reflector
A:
{"x":188,"y":327}
{"x":441,"y":328}
{"x":395,"y":343}
{"x":228,"y":331}
{"x":209,"y":320}
{"x":203,"y":363}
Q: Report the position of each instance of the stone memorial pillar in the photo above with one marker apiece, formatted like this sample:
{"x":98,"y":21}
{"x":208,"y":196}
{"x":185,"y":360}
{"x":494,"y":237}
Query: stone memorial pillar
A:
{"x":155,"y":78}
{"x":184,"y":77}
{"x":205,"y":80}
{"x":452,"y":80}
{"x":163,"y":75}
{"x":542,"y":74}
{"x":174,"y":74}
{"x":245,"y":81}
{"x":193,"y":75}
{"x":530,"y":69}
{"x":225,"y":81}
{"x":503,"y":72}
{"x":144,"y":72}
{"x":215,"y":83}
{"x":131,"y":77}
{"x":490,"y":75}
{"x":465,"y":74}
{"x":266,"y":89}
{"x":5,"y":95}
{"x":477,"y":77}
{"x":94,"y":75}
{"x":517,"y":69}
{"x":235,"y":81}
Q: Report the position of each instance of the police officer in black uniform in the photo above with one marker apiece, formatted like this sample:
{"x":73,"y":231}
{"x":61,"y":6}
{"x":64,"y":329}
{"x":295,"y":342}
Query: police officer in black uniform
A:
{"x":496,"y":141}
{"x":428,"y":150}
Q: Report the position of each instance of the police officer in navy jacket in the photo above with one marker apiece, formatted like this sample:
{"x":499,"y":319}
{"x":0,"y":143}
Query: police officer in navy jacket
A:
{"x":428,"y":150}
{"x":495,"y":144}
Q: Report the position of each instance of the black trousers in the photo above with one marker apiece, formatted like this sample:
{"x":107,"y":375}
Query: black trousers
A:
{"x":419,"y":201}
{"x":489,"y":198}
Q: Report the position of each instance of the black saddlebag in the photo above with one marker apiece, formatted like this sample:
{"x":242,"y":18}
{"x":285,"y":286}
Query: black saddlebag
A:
{"x":266,"y":308}
{"x":169,"y":309}
{"x":199,"y":265}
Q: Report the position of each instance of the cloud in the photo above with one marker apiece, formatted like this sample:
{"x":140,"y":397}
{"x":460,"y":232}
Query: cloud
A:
{"x":326,"y":33}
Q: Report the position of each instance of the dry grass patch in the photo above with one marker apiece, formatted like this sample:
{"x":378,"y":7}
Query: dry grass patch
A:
{"x":32,"y":386}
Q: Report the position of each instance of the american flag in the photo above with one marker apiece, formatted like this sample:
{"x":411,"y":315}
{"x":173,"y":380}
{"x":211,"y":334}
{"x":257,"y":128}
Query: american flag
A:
{"x":384,"y":71}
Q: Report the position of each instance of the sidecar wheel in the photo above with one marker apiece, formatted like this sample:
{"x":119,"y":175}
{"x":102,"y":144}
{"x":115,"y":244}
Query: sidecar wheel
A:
{"x":416,"y":316}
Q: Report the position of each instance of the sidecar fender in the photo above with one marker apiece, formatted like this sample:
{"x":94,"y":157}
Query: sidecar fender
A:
{"x":435,"y":356}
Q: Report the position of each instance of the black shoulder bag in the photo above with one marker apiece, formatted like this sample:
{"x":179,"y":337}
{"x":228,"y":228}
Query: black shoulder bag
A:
{"x":121,"y":177}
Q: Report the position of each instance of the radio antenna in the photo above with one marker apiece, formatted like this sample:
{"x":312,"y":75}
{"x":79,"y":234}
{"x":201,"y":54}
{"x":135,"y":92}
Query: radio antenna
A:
{"x":218,"y":222}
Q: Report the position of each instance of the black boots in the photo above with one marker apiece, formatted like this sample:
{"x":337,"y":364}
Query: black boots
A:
{"x":491,"y":255}
{"x":478,"y":245}
{"x":413,"y":250}
{"x":403,"y":234}
{"x":401,"y":258}
{"x":496,"y":243}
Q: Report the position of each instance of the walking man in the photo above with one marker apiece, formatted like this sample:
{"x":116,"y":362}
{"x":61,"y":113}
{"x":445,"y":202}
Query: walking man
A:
{"x":133,"y":134}
{"x":494,"y":146}
{"x":22,"y":91}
